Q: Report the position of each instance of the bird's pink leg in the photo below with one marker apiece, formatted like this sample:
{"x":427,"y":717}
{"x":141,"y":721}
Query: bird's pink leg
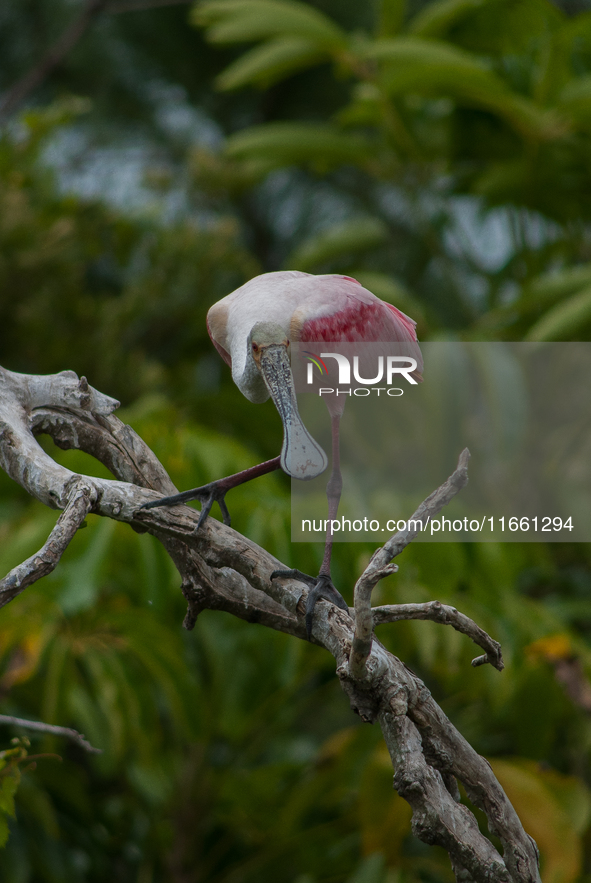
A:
{"x":217,"y":490}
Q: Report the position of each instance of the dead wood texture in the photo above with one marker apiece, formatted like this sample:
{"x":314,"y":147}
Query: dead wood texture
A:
{"x":222,"y":570}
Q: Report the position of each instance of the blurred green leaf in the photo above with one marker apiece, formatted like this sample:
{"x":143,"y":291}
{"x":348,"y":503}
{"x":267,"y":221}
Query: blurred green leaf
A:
{"x":553,"y":286}
{"x":341,"y":240}
{"x":437,"y":17}
{"x":8,"y":786}
{"x":565,"y":321}
{"x":270,"y":62}
{"x":236,"y":21}
{"x":320,"y":144}
{"x":412,"y":64}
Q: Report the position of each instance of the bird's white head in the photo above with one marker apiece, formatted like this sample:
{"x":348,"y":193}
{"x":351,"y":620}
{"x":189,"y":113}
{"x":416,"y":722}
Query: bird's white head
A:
{"x":268,"y":356}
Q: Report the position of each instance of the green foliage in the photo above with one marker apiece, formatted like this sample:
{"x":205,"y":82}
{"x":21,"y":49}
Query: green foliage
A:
{"x":239,"y":21}
{"x":341,"y":240}
{"x":9,"y":782}
{"x":11,"y":760}
{"x":322,"y":145}
{"x":486,"y":100}
{"x":435,"y":19}
{"x":270,"y":62}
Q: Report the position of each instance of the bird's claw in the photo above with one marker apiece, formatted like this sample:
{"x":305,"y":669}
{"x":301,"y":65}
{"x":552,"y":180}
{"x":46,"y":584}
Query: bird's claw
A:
{"x":210,"y":494}
{"x":207,"y":494}
{"x":320,"y":586}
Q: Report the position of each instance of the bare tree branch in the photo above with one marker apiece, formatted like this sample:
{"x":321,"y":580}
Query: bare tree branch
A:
{"x":42,"y":727}
{"x":221,"y":569}
{"x":364,"y":622}
{"x":443,"y":613}
{"x":45,"y":560}
{"x":437,"y":816}
{"x":56,"y":54}
{"x":379,"y":566}
{"x":34,"y":77}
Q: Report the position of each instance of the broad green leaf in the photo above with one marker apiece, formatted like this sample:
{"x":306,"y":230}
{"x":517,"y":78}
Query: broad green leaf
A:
{"x":565,"y":320}
{"x":432,"y":67}
{"x":241,"y":21}
{"x":268,"y":63}
{"x":292,"y":143}
{"x":425,"y":61}
{"x":435,"y":19}
{"x":340,"y":240}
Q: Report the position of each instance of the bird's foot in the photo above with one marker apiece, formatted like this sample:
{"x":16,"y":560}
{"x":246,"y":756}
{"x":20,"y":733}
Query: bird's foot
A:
{"x":320,"y":586}
{"x":207,"y":494}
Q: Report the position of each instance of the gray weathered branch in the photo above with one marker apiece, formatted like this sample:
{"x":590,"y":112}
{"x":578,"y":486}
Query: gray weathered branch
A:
{"x":446,"y":615}
{"x":82,"y":498}
{"x":222,"y":570}
{"x":379,"y":566}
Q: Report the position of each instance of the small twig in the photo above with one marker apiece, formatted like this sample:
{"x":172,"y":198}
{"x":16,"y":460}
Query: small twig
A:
{"x":35,"y":76}
{"x":443,"y":613}
{"x":427,"y":510}
{"x":45,"y":560}
{"x":380,"y":566}
{"x":41,"y":727}
{"x":65,"y":43}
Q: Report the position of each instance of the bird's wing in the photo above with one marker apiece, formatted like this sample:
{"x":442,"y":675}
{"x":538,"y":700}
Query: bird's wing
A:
{"x":337,"y":308}
{"x":340,"y":309}
{"x":409,"y":324}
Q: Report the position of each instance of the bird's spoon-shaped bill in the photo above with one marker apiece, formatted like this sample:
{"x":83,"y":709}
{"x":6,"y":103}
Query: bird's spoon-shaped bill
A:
{"x":301,"y":456}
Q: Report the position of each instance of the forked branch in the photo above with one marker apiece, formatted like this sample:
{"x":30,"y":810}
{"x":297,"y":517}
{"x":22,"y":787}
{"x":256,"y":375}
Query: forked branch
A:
{"x":222,"y":570}
{"x":446,"y":615}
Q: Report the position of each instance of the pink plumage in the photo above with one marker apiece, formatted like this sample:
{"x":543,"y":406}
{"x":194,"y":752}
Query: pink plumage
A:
{"x":308,"y":309}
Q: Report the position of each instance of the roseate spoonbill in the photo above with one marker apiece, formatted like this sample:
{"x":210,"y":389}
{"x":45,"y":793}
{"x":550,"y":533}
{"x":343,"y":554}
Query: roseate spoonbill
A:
{"x":252,"y":329}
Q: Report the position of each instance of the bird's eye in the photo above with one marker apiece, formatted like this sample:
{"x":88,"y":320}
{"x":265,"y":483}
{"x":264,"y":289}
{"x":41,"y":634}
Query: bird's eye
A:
{"x":255,"y":347}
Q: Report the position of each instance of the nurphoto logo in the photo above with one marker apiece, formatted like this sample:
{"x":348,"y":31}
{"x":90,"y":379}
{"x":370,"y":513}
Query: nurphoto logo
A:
{"x":387,"y":369}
